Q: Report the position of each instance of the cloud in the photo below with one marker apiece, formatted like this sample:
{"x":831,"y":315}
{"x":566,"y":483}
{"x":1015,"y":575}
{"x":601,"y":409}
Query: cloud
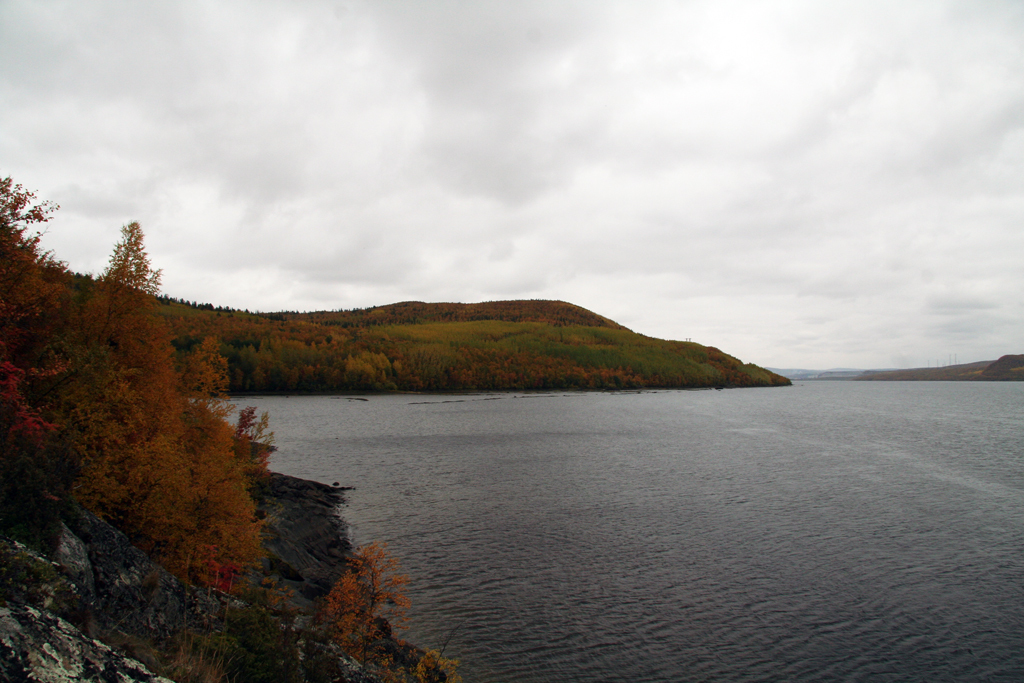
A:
{"x":797,"y":183}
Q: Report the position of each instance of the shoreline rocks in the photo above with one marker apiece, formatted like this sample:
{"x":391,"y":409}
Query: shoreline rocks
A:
{"x":305,"y":536}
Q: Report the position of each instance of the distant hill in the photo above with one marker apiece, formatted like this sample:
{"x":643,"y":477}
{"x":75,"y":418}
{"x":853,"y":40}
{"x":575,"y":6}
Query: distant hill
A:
{"x":834,"y":373}
{"x":557,"y":313}
{"x":1007,"y":368}
{"x":417,"y":346}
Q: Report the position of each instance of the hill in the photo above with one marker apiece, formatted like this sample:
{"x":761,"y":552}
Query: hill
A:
{"x":417,"y":346}
{"x":833,"y":374}
{"x":557,"y":313}
{"x":1007,"y":368}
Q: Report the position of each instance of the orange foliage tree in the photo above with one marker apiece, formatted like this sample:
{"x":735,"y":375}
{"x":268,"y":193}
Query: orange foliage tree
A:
{"x":93,"y":406}
{"x":434,"y":667}
{"x":158,"y":455}
{"x":32,"y":283}
{"x":365,"y":603}
{"x":362,"y":609}
{"x":254,"y":443}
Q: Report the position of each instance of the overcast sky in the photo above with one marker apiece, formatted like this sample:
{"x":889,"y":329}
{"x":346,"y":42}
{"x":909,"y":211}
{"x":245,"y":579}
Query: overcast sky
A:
{"x":802,"y":184}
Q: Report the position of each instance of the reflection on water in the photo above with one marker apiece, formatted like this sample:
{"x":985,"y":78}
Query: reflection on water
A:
{"x":831,"y":530}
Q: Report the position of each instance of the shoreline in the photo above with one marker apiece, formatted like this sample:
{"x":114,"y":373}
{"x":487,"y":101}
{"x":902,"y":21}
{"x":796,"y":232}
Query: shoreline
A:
{"x":306,"y":538}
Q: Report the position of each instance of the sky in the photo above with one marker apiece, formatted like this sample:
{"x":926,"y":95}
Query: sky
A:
{"x":801,"y":184}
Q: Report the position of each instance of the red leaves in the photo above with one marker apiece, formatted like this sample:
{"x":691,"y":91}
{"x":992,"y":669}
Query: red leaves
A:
{"x":25,"y":421}
{"x":16,"y":205}
{"x":31,"y":281}
{"x":246,"y":421}
{"x":254,"y":442}
{"x":220,"y":575}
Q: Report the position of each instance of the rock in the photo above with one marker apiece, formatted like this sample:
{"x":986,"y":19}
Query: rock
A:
{"x":73,"y":558}
{"x":38,"y":646}
{"x":305,"y":534}
{"x":124,"y":597}
{"x":122,"y":590}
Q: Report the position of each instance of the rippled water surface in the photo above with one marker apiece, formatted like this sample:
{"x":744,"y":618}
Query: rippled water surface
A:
{"x":826,"y":531}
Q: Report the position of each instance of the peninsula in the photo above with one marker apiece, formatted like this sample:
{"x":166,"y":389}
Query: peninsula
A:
{"x":416,"y":346}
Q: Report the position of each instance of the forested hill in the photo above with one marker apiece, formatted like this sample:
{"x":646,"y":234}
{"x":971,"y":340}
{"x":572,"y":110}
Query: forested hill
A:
{"x":415,"y":346}
{"x":557,"y":313}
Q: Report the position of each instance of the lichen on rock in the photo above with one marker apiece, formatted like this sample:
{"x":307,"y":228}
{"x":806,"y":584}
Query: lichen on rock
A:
{"x":38,"y":646}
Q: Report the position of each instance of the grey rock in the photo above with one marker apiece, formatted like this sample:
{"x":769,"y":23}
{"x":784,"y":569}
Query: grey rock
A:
{"x":304,"y":529}
{"x":73,"y":557}
{"x":353,"y":672}
{"x":123,"y":590}
{"x":38,"y":646}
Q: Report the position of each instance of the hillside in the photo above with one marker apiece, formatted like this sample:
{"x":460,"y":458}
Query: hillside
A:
{"x":557,"y":313}
{"x":416,"y":346}
{"x":1007,"y":368}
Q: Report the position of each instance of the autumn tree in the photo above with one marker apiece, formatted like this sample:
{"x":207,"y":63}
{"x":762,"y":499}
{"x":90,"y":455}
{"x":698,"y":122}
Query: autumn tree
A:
{"x":32,"y":283}
{"x":36,"y":464}
{"x":123,"y":401}
{"x":221,"y":511}
{"x":90,"y":395}
{"x":362,"y":609}
{"x":205,"y":373}
{"x":158,"y":454}
{"x":129,"y":265}
{"x":254,"y":442}
{"x":434,"y":667}
{"x":366,"y":603}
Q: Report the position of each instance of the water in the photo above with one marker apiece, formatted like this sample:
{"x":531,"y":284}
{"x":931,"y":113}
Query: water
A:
{"x":826,"y":531}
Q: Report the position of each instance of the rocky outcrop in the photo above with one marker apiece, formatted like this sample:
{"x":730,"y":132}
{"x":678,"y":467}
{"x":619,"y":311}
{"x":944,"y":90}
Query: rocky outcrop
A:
{"x":101,"y":586}
{"x":304,"y":535}
{"x":36,"y":642}
{"x":38,"y":646}
{"x":121,"y":589}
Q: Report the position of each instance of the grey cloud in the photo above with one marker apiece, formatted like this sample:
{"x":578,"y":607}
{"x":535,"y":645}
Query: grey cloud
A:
{"x":952,"y":304}
{"x":797,"y":183}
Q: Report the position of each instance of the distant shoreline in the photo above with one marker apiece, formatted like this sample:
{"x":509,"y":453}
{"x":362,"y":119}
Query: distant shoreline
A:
{"x":1008,"y":368}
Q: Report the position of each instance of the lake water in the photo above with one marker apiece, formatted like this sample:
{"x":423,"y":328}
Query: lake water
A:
{"x":826,"y":531}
